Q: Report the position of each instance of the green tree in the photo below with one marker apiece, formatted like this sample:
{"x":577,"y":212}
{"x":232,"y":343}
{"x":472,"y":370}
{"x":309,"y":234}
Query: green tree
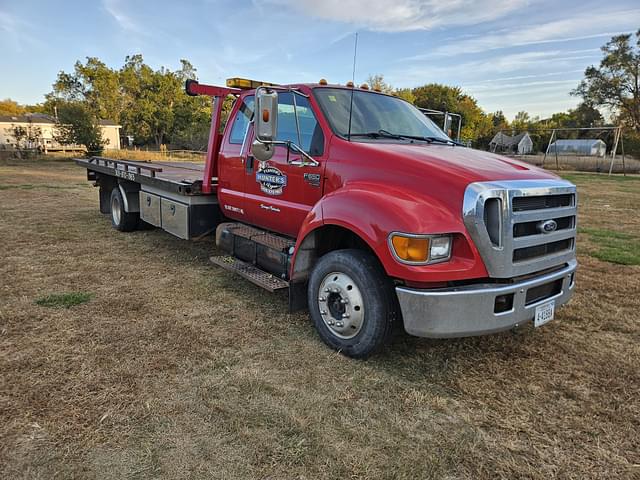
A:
{"x":26,"y":137}
{"x":585,"y":115}
{"x":93,"y":83}
{"x":78,"y":125}
{"x":476,"y":125}
{"x":521,"y":121}
{"x":499,"y":121}
{"x":406,"y":94}
{"x":151,"y":98}
{"x":615,"y":84}
{"x":150,"y":104}
{"x":11,"y":107}
{"x":376,"y":82}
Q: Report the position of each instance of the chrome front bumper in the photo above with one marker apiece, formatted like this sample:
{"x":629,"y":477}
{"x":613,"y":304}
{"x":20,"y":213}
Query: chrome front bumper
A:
{"x":470,"y":310}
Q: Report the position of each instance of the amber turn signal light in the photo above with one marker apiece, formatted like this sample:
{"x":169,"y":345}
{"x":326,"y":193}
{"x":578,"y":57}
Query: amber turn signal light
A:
{"x":411,"y":249}
{"x":265,"y":116}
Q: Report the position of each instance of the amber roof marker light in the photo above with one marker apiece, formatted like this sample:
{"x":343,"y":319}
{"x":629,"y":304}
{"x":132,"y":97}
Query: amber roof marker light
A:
{"x":247,"y":84}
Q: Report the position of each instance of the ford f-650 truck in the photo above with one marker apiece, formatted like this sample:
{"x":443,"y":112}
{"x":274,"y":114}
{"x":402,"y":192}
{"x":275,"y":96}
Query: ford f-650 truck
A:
{"x":362,"y":209}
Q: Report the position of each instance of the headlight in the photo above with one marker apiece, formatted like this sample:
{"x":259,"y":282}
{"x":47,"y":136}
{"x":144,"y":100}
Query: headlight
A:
{"x":420,"y":249}
{"x":440,"y":248}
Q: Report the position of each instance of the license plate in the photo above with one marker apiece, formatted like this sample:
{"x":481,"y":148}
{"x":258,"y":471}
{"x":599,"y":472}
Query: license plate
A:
{"x":544,"y":313}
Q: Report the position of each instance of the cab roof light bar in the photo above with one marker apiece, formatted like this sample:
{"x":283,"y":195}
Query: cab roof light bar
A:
{"x":247,"y":84}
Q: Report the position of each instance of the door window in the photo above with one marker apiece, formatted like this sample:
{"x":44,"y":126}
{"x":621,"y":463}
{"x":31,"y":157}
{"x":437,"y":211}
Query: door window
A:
{"x":311,"y":136}
{"x":241,"y":121}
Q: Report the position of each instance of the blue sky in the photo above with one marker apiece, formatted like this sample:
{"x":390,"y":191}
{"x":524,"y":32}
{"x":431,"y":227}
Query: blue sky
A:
{"x":509,"y":54}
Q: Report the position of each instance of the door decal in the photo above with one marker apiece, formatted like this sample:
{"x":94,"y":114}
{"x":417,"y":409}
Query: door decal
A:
{"x":272,"y":181}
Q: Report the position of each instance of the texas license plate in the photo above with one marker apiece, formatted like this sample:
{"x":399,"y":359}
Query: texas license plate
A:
{"x":544,"y":313}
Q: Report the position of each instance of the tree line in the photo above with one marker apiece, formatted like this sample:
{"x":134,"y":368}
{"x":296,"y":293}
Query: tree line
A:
{"x":152,"y":107}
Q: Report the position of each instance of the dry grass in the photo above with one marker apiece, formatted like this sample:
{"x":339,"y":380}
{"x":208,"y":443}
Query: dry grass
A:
{"x":157,"y":156}
{"x":176,"y":369}
{"x":583,"y":163}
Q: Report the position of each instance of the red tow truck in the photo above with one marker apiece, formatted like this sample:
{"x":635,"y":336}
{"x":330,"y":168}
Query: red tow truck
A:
{"x":362,"y":209}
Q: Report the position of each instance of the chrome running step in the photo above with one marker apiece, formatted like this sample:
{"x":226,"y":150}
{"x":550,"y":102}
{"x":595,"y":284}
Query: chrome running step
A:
{"x":253,"y":274}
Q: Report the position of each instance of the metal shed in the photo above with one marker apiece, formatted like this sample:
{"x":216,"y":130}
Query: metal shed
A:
{"x":593,"y":147}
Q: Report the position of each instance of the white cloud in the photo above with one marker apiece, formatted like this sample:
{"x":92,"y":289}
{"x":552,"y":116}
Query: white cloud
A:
{"x":403,"y":15}
{"x":529,"y":63}
{"x":117,"y":11}
{"x":18,"y":32}
{"x":604,"y":24}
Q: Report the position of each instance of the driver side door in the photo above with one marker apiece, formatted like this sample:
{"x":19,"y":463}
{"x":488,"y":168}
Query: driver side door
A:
{"x":279,"y":195}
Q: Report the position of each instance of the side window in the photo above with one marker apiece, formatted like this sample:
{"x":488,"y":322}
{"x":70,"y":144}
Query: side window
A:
{"x":311,"y":136}
{"x":241,"y":121}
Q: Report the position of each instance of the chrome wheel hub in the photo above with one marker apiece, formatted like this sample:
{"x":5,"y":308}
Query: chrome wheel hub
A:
{"x":116,"y":211}
{"x":341,"y":305}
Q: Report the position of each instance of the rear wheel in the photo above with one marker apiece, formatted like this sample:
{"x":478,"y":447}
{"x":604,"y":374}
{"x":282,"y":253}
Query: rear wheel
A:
{"x":121,"y":220}
{"x":351,"y":302}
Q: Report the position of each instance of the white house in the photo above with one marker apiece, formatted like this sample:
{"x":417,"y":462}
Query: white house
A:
{"x":40,"y":130}
{"x":520,"y":144}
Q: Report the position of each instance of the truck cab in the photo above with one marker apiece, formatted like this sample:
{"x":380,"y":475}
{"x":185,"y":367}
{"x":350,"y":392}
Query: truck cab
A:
{"x":369,"y":215}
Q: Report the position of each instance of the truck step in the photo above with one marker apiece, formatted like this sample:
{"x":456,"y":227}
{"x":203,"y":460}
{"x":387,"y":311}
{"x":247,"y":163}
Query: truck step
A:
{"x":253,"y":274}
{"x":281,"y":244}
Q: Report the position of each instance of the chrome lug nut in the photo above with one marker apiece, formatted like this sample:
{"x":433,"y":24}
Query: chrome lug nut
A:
{"x":339,"y":324}
{"x":323,"y":312}
{"x":345,"y":315}
{"x":322,"y":299}
{"x":344,"y":301}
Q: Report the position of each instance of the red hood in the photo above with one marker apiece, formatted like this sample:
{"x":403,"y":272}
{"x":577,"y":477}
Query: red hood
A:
{"x":465,"y":165}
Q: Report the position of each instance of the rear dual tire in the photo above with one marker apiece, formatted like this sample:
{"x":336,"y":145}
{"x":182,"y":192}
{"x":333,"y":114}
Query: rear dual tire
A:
{"x":351,"y":302}
{"x":121,"y":220}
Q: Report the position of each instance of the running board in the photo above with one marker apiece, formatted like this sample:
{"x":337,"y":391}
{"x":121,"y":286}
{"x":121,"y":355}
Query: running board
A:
{"x":253,"y":274}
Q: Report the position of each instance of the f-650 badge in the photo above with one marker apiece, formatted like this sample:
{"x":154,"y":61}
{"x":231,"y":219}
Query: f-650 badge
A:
{"x":272,"y":181}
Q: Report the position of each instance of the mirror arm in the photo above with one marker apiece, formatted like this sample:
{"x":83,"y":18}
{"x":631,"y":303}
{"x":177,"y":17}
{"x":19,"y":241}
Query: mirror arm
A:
{"x":312,"y":162}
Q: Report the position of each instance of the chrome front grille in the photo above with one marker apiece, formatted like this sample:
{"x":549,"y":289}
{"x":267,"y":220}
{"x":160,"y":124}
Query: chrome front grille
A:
{"x":521,"y":226}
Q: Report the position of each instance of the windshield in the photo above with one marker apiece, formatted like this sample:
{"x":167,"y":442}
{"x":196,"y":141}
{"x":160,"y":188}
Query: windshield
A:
{"x":374,"y":113}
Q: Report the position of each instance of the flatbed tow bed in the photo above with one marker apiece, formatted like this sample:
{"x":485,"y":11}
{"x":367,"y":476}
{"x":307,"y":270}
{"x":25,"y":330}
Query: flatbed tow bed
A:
{"x":168,"y":195}
{"x":180,"y":177}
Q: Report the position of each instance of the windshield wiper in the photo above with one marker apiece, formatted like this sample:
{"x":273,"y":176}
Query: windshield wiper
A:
{"x":397,"y":136}
{"x":446,"y":141}
{"x":378,"y":134}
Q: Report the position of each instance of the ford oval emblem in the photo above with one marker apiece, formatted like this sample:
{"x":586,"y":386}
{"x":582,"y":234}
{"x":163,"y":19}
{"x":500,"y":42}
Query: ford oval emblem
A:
{"x":548,"y":226}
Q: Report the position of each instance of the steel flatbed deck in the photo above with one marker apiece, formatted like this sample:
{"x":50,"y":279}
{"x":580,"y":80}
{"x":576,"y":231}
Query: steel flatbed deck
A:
{"x":184,"y":178}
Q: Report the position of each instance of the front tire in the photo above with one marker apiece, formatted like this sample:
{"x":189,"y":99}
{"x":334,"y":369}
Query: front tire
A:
{"x":121,"y":220}
{"x":351,"y":302}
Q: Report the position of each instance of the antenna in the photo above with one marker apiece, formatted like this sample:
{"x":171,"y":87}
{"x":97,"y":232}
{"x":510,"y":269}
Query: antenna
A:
{"x":353,"y":86}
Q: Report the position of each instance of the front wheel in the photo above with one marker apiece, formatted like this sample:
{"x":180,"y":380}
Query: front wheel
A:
{"x":351,"y":302}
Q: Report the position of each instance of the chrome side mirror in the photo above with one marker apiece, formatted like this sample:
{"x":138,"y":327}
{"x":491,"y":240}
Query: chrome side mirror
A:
{"x":265,"y":124}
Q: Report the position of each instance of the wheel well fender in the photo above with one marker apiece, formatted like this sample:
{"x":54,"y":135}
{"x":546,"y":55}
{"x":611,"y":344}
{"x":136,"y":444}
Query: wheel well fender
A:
{"x":321,"y":240}
{"x":369,"y":212}
{"x":130,"y":196}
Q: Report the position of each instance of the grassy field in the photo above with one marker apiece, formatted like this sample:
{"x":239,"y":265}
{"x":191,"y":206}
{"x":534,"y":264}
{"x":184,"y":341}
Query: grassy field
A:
{"x":129,"y":356}
{"x":583,"y":163}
